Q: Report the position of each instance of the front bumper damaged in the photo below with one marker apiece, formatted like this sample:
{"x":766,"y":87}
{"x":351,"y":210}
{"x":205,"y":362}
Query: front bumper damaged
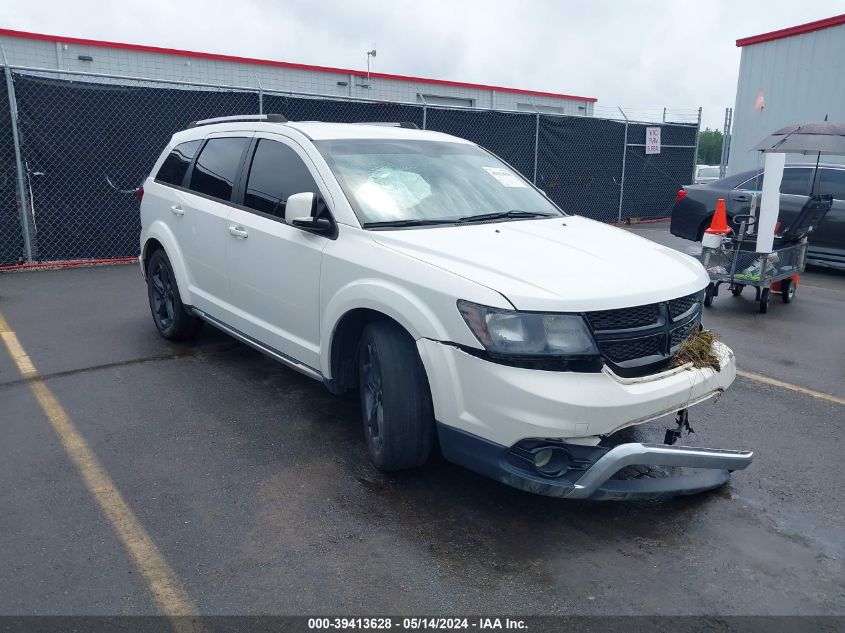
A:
{"x":572,"y":471}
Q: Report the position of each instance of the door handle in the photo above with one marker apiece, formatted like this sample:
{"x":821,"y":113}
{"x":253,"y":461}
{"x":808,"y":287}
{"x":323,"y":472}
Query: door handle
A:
{"x":177,"y":210}
{"x":741,"y":197}
{"x":239,"y":232}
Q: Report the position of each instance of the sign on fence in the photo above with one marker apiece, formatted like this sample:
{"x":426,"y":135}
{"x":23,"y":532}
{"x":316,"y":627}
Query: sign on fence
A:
{"x":652,"y":140}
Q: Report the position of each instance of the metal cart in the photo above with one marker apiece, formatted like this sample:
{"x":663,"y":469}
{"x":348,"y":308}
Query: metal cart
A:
{"x":734,"y":264}
{"x":734,"y":260}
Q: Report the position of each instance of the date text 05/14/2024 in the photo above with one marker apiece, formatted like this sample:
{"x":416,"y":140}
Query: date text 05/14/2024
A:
{"x":414,"y":624}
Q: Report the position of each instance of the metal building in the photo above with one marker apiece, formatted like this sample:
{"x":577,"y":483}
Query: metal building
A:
{"x":36,"y":50}
{"x":794,"y":75}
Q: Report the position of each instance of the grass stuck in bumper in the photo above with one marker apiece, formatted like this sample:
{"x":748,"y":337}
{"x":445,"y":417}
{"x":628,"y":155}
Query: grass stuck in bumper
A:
{"x":698,"y":350}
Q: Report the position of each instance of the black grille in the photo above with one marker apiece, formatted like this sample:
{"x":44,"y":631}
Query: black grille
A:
{"x":639,"y":340}
{"x":625,"y":318}
{"x":678,"y":306}
{"x":621,"y":351}
{"x":680,"y":334}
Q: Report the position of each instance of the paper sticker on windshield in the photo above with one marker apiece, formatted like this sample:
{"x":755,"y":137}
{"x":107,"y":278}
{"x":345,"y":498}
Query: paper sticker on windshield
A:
{"x":505,"y":176}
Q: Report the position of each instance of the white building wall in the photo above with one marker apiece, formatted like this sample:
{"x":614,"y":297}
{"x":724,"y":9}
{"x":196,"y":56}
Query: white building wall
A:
{"x":802,"y":79}
{"x":152,"y":65}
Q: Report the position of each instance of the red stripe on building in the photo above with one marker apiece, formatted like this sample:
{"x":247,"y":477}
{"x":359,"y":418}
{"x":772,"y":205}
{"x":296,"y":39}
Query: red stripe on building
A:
{"x":809,"y":27}
{"x":267,"y":62}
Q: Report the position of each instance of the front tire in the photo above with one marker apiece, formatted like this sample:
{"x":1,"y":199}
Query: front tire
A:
{"x":171,"y":318}
{"x":765,"y":297}
{"x":395,"y":398}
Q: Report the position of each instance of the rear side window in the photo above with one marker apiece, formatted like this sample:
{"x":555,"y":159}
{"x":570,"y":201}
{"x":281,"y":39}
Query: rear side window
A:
{"x":175,"y":166}
{"x":218,"y":163}
{"x":832,"y":181}
{"x":796,"y":181}
{"x":276,"y":173}
{"x":752,"y":184}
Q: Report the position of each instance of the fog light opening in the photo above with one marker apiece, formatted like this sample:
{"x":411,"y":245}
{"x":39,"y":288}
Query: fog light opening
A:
{"x":551,"y":461}
{"x":542,"y":458}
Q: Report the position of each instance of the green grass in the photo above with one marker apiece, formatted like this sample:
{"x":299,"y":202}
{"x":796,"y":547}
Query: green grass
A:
{"x":698,"y":350}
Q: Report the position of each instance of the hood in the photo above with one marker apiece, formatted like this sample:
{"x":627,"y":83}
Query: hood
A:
{"x":562,"y":264}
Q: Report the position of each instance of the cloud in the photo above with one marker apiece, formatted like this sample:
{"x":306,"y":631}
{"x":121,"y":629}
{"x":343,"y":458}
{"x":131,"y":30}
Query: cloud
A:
{"x":638,"y":54}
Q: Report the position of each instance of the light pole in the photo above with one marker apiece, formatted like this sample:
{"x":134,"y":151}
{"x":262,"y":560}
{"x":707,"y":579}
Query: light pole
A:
{"x":371,"y":53}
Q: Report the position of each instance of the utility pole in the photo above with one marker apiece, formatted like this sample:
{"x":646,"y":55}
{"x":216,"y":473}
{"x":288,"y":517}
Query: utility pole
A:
{"x":726,"y":142}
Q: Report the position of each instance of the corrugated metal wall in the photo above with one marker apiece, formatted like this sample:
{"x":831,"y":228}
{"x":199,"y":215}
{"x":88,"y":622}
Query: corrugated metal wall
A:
{"x":801,"y":78}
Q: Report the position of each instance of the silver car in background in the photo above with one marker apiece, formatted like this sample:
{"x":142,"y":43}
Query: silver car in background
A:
{"x":705,"y":174}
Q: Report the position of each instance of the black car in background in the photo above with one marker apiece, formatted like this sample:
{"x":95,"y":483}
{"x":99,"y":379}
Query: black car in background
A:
{"x":695,"y":204}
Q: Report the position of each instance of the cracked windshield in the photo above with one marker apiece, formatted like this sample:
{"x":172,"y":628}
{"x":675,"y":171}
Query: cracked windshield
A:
{"x":428,"y":181}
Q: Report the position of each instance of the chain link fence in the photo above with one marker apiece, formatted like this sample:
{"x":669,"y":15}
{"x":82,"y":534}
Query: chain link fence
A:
{"x":11,"y":234}
{"x":652,"y":180}
{"x":87,"y":141}
{"x":579,"y":164}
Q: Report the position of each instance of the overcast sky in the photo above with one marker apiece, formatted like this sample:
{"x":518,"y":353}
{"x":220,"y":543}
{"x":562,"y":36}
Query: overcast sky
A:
{"x":637,"y":54}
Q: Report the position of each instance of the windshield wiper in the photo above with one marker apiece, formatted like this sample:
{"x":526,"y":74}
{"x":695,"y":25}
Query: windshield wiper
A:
{"x":513,"y":213}
{"x":400,"y":223}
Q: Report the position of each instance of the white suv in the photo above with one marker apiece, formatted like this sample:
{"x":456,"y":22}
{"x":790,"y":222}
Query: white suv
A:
{"x":464,"y":306}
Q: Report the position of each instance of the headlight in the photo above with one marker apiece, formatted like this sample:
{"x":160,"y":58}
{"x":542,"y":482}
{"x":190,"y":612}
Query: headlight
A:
{"x":513,"y":333}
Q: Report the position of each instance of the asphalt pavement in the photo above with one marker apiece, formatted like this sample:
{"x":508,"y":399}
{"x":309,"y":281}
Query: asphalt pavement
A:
{"x":252,"y":481}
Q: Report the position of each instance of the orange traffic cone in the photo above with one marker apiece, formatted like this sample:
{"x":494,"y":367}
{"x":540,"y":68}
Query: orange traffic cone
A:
{"x":719,"y":224}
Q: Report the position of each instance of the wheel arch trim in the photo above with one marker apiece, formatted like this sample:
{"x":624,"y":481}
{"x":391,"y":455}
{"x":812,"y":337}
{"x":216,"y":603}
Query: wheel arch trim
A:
{"x":383,"y":297}
{"x":160,"y":232}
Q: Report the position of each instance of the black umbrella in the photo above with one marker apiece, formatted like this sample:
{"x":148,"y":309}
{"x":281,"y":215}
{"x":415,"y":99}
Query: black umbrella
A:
{"x":806,"y":138}
{"x":820,"y":138}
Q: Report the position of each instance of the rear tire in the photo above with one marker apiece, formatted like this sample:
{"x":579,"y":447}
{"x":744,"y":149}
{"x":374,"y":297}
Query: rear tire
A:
{"x":171,"y":318}
{"x":787,"y":290}
{"x":396,"y":407}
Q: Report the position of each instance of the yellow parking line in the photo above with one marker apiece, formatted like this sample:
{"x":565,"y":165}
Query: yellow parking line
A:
{"x":804,"y":284}
{"x":167,"y":591}
{"x":786,"y":385}
{"x":15,"y":348}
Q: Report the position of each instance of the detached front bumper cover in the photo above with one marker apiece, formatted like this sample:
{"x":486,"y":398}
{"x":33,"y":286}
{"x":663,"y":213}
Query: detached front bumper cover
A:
{"x":586,"y":472}
{"x":596,"y":482}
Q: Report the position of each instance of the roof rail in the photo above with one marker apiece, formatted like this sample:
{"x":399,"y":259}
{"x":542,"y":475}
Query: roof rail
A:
{"x":405,"y":124}
{"x":265,"y":118}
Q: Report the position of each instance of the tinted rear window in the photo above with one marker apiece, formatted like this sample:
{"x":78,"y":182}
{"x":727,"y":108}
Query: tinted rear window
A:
{"x":175,"y":166}
{"x":796,"y":181}
{"x":832,"y":181}
{"x":216,"y":168}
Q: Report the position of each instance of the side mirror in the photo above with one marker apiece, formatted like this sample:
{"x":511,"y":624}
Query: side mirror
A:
{"x":299,"y":207}
{"x":309,"y":212}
